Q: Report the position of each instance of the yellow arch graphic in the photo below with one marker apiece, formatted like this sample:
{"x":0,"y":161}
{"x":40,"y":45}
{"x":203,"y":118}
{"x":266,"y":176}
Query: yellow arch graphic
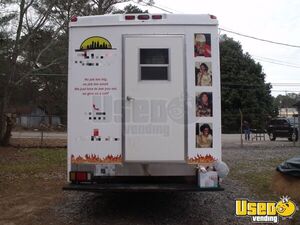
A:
{"x":95,"y":42}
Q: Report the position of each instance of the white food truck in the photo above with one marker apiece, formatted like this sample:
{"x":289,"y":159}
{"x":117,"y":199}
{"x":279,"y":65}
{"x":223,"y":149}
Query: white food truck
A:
{"x":144,"y":107}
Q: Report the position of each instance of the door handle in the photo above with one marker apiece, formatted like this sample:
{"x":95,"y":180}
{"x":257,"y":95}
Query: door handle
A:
{"x":129,"y":98}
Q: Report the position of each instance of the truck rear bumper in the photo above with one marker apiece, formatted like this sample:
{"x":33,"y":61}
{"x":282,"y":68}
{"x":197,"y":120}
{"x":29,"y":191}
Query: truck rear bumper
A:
{"x":138,"y":188}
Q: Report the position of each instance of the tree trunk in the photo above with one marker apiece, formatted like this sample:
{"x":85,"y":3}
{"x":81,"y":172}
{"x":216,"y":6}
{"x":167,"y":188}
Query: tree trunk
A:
{"x":7,"y":134}
{"x":3,"y":119}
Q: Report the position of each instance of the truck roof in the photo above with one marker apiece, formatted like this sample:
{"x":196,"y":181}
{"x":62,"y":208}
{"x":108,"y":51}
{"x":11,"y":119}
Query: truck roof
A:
{"x":144,"y":19}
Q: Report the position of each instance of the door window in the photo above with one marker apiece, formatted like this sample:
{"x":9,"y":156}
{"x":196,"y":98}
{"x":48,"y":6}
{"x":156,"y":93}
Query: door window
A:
{"x":154,"y":64}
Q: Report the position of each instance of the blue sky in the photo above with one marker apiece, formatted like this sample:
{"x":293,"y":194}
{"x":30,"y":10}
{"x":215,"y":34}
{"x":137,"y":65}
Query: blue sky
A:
{"x":276,"y":20}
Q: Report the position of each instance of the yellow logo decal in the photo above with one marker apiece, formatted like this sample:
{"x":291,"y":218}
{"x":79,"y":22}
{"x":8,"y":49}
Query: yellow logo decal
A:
{"x":285,"y":207}
{"x":95,"y":42}
{"x":265,"y":211}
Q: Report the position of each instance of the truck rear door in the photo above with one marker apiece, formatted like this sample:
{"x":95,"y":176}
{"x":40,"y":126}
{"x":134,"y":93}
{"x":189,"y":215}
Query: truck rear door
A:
{"x":154,"y":98}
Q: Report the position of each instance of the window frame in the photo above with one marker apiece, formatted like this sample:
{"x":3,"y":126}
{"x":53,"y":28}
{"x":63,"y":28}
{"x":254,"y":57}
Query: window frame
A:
{"x":154,"y":65}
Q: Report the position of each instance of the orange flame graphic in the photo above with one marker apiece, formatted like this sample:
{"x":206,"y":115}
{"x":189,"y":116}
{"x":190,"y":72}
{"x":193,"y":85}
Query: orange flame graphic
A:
{"x":93,"y":158}
{"x":202,"y":159}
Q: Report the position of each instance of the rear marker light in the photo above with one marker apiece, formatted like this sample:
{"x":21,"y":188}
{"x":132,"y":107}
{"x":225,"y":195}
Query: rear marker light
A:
{"x":81,"y":176}
{"x":129,"y":17}
{"x":74,"y":19}
{"x":78,"y":177}
{"x":157,"y":17}
{"x":143,"y":17}
{"x":213,"y":17}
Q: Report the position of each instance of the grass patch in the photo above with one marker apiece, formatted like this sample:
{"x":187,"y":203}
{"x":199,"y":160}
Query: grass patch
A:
{"x":260,"y":181}
{"x":296,"y":218}
{"x":32,"y":161}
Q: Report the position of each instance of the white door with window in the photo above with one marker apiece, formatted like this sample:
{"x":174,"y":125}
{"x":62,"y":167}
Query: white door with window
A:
{"x":154,"y":93}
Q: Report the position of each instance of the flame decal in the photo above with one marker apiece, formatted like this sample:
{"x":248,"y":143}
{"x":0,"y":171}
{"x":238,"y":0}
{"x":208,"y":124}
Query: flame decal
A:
{"x":93,"y":158}
{"x":202,"y":159}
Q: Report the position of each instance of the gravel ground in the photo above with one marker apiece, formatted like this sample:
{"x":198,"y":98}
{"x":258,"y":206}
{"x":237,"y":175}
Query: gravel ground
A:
{"x":53,"y":206}
{"x":153,"y":208}
{"x":207,"y":208}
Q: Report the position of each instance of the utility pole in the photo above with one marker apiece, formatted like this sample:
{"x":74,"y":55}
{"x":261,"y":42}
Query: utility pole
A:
{"x":241,"y":115}
{"x":298,"y":109}
{"x":286,"y":109}
{"x":294,"y":131}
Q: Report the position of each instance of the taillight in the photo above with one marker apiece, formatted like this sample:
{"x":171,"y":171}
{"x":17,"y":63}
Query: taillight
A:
{"x":213,"y":17}
{"x":74,"y":19}
{"x":129,"y":17}
{"x":81,"y":176}
{"x":96,"y":132}
{"x":77,"y":177}
{"x":143,"y":17}
{"x":156,"y":17}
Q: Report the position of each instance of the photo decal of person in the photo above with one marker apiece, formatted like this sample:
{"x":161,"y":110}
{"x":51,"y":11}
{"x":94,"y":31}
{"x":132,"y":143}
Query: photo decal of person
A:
{"x":203,"y":74}
{"x":204,"y":138}
{"x":204,"y":106}
{"x":202,"y":45}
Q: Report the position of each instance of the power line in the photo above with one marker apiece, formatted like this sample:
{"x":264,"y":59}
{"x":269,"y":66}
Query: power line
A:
{"x":222,"y":29}
{"x":290,"y":91}
{"x":259,"y":39}
{"x":272,"y":90}
{"x":273,"y":84}
{"x":148,"y":4}
{"x":277,"y":63}
{"x":41,"y":74}
{"x":276,"y":60}
{"x":286,"y":84}
{"x":229,"y":31}
{"x":168,"y":8}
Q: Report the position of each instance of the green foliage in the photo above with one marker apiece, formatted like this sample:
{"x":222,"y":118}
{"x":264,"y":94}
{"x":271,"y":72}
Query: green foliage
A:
{"x":243,"y":87}
{"x":130,"y":9}
{"x":101,"y":7}
{"x":286,"y":101}
{"x":47,"y":86}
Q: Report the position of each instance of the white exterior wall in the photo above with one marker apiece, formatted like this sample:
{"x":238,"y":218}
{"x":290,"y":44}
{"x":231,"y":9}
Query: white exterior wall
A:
{"x":109,"y":71}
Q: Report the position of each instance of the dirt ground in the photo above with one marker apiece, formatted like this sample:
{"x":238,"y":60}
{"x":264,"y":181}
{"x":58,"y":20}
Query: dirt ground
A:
{"x":31,"y":182}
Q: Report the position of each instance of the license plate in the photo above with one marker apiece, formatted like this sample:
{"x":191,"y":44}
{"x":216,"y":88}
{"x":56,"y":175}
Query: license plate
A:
{"x":105,"y":170}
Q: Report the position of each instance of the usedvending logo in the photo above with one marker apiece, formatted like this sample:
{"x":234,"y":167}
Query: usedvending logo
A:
{"x":266,"y":211}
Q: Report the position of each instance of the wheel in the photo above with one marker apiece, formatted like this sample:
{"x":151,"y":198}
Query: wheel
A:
{"x":272,"y":136}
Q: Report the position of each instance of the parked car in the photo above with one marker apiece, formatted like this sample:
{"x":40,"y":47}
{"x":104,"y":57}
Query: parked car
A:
{"x":283,"y":127}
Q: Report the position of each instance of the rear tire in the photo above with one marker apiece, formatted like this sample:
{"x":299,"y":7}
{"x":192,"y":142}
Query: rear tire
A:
{"x":272,"y":136}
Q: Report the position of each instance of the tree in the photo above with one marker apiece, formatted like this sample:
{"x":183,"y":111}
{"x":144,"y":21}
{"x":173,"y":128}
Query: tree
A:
{"x":130,"y":9}
{"x":18,"y":39}
{"x":37,"y":44}
{"x":286,"y":101}
{"x":243,"y":88}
